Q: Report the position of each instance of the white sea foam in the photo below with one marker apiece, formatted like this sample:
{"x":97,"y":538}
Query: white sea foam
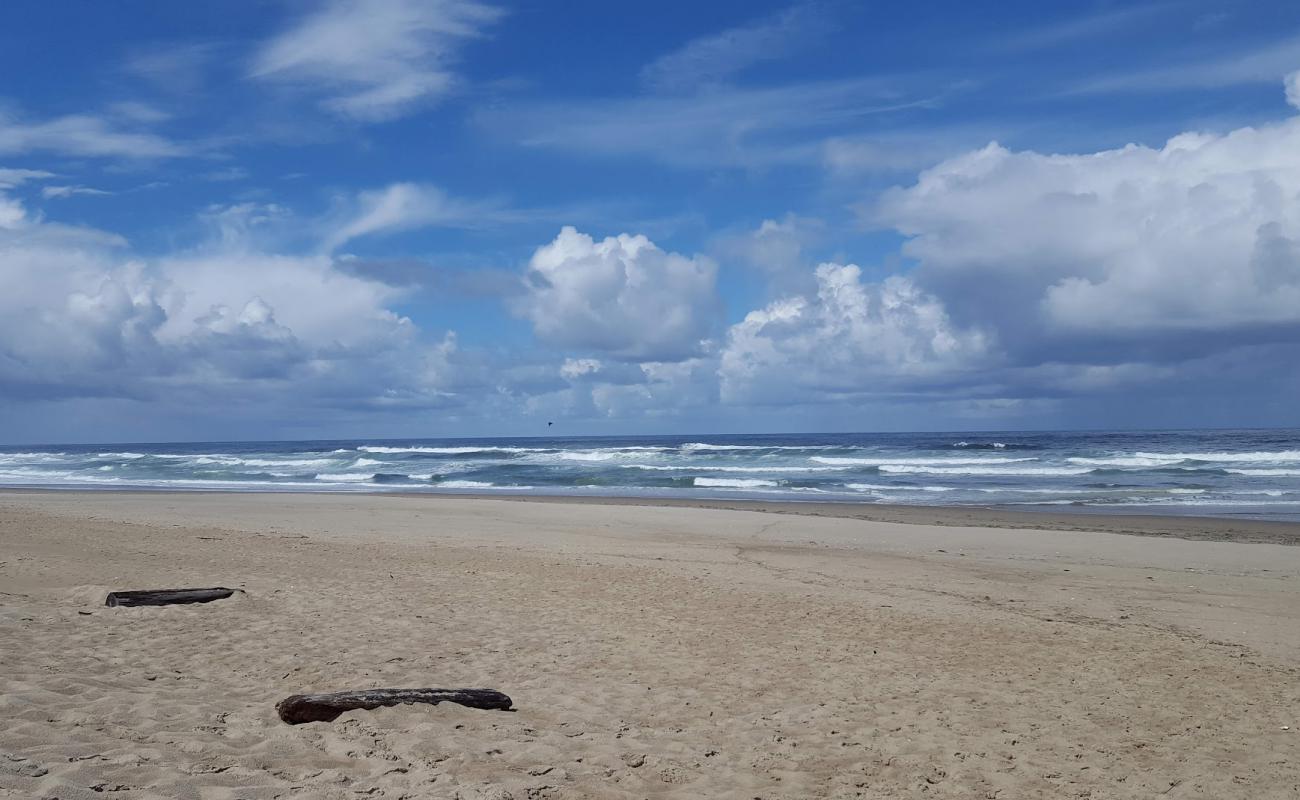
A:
{"x":720,"y":468}
{"x":876,"y":461}
{"x":367,"y":462}
{"x":1267,"y":456}
{"x":466,"y":485}
{"x":872,"y":487}
{"x":974,"y":470}
{"x":345,"y":477}
{"x":1148,"y":460}
{"x":449,"y":451}
{"x":1273,"y":473}
{"x":587,"y":455}
{"x":734,"y":483}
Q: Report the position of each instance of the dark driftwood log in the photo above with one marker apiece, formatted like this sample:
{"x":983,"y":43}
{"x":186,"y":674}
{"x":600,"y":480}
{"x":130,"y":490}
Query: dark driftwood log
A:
{"x":166,"y":597}
{"x":302,"y":708}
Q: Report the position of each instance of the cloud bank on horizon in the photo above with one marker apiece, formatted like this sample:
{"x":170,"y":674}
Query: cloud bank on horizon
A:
{"x":421,"y":218}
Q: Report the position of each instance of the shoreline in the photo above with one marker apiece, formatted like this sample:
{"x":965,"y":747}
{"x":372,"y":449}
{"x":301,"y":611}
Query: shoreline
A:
{"x":1189,"y":527}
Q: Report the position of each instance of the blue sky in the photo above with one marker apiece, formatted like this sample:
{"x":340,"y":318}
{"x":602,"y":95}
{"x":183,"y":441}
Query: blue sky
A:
{"x":409,"y":218}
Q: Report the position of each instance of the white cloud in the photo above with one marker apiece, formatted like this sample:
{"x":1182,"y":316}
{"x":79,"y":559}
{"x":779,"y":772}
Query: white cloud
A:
{"x":1293,"y":89}
{"x":712,"y":59}
{"x":849,"y":338}
{"x":50,"y":192}
{"x":720,"y":126}
{"x":403,"y":206}
{"x":1200,"y":235}
{"x":83,"y":135}
{"x":176,"y":67}
{"x":377,"y":60}
{"x":574,"y":368}
{"x":1255,"y":64}
{"x":82,"y":316}
{"x":622,"y":297}
{"x":9,"y":178}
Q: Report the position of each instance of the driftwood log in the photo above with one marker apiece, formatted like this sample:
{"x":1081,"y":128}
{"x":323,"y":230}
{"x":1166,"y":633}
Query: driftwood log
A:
{"x":166,"y":597}
{"x":301,"y":708}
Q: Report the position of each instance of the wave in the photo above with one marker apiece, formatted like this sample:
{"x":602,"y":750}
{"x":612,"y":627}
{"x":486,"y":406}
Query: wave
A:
{"x":1127,"y":461}
{"x":734,"y":483}
{"x":720,"y":468}
{"x":871,"y":487}
{"x":367,"y":462}
{"x":1283,"y":456}
{"x":345,"y":477}
{"x":981,"y":445}
{"x":882,"y":460}
{"x":581,"y":455}
{"x":1271,"y":473}
{"x":450,"y":451}
{"x":907,"y":469}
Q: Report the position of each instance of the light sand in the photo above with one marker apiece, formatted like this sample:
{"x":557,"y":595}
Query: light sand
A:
{"x":652,"y":652}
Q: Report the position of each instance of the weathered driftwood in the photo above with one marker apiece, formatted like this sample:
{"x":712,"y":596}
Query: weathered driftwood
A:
{"x":301,"y":708}
{"x":165,"y":597}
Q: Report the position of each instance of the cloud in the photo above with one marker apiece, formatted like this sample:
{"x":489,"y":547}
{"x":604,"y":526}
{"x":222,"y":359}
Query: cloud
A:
{"x":374,"y":61}
{"x":622,"y":297}
{"x":847,"y":338}
{"x":716,"y":127}
{"x":405,"y":206}
{"x":50,"y":192}
{"x":175,"y":67}
{"x":713,"y":59}
{"x":1293,"y":89}
{"x":83,"y":316}
{"x":84,"y":135}
{"x":1123,"y":21}
{"x":10,"y":178}
{"x":1256,"y":64}
{"x":1149,"y":254}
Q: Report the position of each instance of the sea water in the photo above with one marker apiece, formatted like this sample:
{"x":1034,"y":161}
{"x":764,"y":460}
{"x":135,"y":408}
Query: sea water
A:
{"x":1241,"y":473}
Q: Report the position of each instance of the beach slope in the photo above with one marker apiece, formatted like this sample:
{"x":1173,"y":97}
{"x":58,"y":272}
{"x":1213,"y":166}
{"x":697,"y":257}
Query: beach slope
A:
{"x":665,"y":652}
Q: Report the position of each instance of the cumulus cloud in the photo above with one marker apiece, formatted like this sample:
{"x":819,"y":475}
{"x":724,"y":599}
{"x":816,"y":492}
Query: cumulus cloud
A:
{"x":84,"y":317}
{"x":848,"y":338}
{"x":1197,"y":236}
{"x":374,"y":60}
{"x":622,"y":297}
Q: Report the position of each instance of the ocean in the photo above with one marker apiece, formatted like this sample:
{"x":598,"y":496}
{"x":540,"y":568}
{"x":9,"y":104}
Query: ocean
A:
{"x":1235,"y":473}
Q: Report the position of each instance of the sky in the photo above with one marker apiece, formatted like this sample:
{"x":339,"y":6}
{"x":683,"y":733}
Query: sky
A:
{"x":281,"y":219}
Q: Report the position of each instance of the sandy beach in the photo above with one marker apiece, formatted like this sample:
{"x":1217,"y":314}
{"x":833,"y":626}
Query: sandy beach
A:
{"x":652,"y":651}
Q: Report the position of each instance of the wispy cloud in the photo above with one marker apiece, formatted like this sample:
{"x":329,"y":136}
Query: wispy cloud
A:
{"x":713,"y":59}
{"x":84,"y":135}
{"x":377,"y":60}
{"x":1082,"y":28}
{"x":51,"y":192}
{"x":174,"y":67}
{"x":1257,"y":64}
{"x":722,"y":127}
{"x":405,"y":206}
{"x":9,"y":178}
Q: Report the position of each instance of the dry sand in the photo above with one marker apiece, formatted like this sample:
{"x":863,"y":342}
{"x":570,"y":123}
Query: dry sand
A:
{"x":652,"y":652}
